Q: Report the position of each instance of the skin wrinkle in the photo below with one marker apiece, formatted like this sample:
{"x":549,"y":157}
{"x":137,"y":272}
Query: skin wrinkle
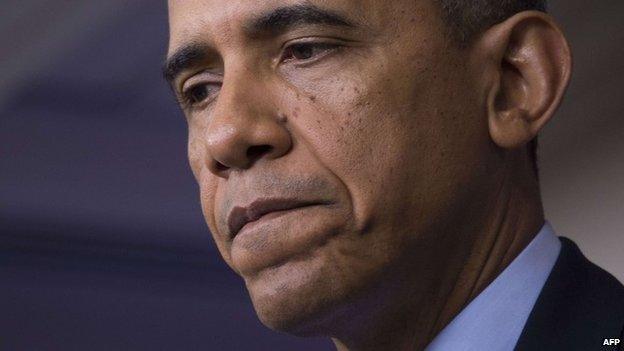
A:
{"x":464,"y":281}
{"x":496,"y":260}
{"x":499,"y":224}
{"x":303,"y":139}
{"x":530,"y":194}
{"x":397,"y":130}
{"x":319,"y":110}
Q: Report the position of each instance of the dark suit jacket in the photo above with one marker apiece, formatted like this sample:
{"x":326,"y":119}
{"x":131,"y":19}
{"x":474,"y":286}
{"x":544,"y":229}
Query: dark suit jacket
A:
{"x":580,"y":306}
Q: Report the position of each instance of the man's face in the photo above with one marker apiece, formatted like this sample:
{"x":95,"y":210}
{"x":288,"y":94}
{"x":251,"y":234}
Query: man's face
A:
{"x":357,"y":119}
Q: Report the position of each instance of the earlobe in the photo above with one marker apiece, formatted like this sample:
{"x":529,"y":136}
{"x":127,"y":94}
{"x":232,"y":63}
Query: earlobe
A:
{"x":530,"y":64}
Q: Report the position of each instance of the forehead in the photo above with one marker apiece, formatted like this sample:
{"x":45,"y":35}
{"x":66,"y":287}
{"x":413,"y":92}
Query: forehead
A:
{"x":205,"y":20}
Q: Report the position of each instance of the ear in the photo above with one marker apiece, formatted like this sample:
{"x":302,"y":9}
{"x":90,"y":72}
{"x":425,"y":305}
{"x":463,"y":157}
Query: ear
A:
{"x":527,"y":70}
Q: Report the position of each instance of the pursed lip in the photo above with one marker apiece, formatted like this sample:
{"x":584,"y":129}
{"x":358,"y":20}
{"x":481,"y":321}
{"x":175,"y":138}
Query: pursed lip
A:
{"x":239,"y":216}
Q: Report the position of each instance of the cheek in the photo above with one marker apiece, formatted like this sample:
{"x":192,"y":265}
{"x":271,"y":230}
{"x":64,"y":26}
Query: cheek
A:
{"x":390,"y":136}
{"x":355,"y":125}
{"x":196,"y":149}
{"x":208,"y":186}
{"x":209,"y":196}
{"x":195,"y":155}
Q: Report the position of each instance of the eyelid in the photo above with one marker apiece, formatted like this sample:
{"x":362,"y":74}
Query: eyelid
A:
{"x":312,"y":40}
{"x":187,"y":102}
{"x":194,"y":81}
{"x":200,"y":77}
{"x":333,"y":44}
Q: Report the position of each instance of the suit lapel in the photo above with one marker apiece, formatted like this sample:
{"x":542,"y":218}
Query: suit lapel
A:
{"x":579,"y":306}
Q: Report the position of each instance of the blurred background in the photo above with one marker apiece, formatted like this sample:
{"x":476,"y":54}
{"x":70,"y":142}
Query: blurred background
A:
{"x":102,"y":242}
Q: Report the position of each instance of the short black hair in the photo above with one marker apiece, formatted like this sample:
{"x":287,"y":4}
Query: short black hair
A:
{"x":468,"y":18}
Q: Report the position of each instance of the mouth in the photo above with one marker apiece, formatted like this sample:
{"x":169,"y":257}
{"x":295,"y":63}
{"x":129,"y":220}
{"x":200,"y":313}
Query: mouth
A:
{"x":241,"y":216}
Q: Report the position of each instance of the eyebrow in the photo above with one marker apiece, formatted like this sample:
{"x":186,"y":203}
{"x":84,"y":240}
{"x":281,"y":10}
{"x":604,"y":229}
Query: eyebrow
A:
{"x":187,"y":56}
{"x":285,"y":18}
{"x":273,"y":22}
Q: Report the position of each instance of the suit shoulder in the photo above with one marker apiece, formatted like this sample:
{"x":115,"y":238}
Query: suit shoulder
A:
{"x":580,"y":304}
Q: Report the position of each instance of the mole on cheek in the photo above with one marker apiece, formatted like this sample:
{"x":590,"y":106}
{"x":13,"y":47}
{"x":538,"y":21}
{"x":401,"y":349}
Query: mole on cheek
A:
{"x":283,"y":118}
{"x":320,"y":125}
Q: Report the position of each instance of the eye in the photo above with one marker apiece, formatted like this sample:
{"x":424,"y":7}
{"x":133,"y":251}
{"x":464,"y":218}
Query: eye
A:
{"x":306,"y":51}
{"x":196,"y":94}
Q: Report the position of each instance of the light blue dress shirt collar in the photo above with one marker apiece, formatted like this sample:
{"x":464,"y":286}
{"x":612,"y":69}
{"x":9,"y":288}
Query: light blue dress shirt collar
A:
{"x":494,"y":320}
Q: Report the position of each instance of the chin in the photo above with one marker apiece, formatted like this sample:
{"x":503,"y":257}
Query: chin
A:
{"x":297,"y":297}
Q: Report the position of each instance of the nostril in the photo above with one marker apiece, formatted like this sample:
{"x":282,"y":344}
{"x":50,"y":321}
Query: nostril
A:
{"x":255,"y":152}
{"x":220,"y":167}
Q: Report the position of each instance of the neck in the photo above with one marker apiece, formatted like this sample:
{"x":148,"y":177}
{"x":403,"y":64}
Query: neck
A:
{"x":510,"y":219}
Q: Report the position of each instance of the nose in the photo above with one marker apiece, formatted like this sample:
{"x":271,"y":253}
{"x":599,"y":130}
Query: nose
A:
{"x":245,"y":127}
